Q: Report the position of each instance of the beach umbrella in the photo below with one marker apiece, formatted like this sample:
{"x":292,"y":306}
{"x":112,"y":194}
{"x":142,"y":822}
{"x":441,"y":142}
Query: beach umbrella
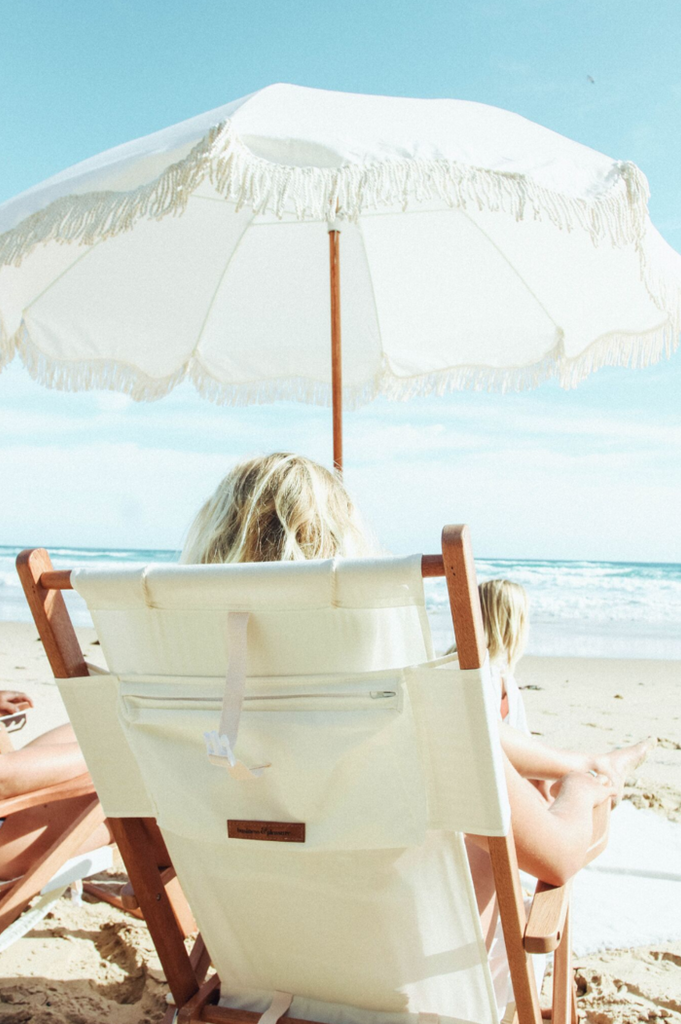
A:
{"x":478,"y":250}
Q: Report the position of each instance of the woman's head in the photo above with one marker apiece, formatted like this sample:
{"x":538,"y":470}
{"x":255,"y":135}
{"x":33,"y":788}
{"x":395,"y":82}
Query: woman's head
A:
{"x":505,"y":615}
{"x":273,"y":508}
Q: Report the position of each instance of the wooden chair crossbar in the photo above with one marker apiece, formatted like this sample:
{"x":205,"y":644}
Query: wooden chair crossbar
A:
{"x":157,"y":893}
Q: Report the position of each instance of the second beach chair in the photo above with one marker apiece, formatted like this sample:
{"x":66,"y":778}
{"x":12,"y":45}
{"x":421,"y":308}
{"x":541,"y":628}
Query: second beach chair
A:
{"x":313,"y":771}
{"x":61,"y":865}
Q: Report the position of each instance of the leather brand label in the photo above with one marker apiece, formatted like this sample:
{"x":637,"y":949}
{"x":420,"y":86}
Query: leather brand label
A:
{"x":267,"y":831}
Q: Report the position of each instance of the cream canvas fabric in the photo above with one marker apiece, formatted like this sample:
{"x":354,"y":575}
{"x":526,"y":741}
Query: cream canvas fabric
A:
{"x":385,"y":765}
{"x":477,"y":250}
{"x":366,"y":761}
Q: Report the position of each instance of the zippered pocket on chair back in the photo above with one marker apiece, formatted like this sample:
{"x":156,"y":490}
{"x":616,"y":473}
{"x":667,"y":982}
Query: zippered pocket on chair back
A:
{"x":342,"y":755}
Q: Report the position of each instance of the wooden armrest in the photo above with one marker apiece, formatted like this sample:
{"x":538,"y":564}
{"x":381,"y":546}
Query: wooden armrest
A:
{"x":82,"y":785}
{"x":546,"y":920}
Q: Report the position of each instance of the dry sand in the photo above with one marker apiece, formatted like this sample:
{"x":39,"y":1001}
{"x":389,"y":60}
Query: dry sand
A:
{"x":88,"y":964}
{"x":594,"y":704}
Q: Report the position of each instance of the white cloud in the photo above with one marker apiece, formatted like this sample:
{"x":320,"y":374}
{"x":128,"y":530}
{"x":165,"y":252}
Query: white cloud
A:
{"x":523,"y":498}
{"x":103,"y":494}
{"x":526,"y":504}
{"x":541,"y":474}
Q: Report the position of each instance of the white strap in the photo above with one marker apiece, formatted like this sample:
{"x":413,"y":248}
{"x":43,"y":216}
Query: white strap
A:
{"x":277,"y":1008}
{"x":235,"y":681}
{"x":220,"y":744}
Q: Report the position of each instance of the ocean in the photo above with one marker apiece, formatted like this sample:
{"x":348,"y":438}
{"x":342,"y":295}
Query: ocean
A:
{"x":578,"y":609}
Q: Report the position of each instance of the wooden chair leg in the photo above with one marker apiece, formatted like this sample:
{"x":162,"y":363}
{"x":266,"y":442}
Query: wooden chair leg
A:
{"x":200,"y":961}
{"x":142,"y":866}
{"x":462,"y":588}
{"x":564,"y":1004}
{"x":513,"y":921}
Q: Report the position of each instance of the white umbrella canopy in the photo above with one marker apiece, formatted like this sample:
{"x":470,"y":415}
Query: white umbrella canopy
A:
{"x":478,"y":250}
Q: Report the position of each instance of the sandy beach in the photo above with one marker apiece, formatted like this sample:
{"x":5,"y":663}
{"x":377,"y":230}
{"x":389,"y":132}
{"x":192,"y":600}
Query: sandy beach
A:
{"x":85,"y":964}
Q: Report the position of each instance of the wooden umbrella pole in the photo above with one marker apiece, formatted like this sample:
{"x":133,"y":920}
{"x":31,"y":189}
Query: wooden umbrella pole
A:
{"x":336,"y":355}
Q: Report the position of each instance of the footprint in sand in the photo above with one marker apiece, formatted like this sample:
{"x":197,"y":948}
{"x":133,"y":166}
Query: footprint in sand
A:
{"x":668,"y":744}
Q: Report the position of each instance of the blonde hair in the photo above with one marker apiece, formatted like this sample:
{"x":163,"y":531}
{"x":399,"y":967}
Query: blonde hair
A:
{"x":505,"y":616}
{"x":275,"y":508}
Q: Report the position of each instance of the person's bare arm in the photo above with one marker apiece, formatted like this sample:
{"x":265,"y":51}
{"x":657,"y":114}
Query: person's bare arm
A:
{"x":535,"y":760}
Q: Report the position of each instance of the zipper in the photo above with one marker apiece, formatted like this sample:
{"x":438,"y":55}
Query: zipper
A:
{"x":330,"y":694}
{"x":373,"y":694}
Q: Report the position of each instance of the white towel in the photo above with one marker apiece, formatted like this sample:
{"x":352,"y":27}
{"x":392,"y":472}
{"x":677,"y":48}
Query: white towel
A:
{"x":630,"y":895}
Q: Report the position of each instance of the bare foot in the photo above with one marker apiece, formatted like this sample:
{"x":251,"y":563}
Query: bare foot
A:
{"x":622,"y":761}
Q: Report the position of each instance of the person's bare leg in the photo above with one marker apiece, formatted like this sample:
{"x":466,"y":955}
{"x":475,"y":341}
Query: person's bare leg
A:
{"x":26,"y":835}
{"x":62,"y":734}
{"x":38,"y":765}
{"x":623,"y":761}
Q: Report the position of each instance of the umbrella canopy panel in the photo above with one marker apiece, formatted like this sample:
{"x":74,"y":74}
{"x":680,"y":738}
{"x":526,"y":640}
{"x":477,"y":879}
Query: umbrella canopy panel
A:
{"x":477,"y":249}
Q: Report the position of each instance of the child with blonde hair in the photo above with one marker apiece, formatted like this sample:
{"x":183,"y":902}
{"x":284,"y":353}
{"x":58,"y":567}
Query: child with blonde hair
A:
{"x":505,"y":616}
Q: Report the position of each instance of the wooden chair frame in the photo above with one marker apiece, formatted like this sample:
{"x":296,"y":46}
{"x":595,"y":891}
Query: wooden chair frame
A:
{"x":546,"y":930}
{"x":15,"y":895}
{"x":78,"y":825}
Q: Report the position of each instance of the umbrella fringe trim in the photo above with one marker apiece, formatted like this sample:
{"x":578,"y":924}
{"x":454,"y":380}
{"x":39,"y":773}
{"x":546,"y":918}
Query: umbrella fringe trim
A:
{"x":88,"y":375}
{"x":345,"y":193}
{"x":663,"y":291}
{"x":620,"y":349}
{"x":95,"y":216}
{"x":617,"y":350}
{"x":619,"y":214}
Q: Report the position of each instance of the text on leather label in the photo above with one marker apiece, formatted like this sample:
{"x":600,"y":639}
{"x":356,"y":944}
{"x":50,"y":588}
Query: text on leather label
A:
{"x":267,"y":831}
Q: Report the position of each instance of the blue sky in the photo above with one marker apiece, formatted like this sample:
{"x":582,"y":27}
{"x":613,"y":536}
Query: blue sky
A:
{"x":591,"y":473}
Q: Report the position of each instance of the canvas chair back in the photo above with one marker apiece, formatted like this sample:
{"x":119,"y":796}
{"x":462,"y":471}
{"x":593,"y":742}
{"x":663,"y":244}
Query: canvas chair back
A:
{"x":321,"y":847}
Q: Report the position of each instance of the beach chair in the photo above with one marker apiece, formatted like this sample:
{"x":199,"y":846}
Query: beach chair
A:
{"x":313,"y":770}
{"x":61,"y":866}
